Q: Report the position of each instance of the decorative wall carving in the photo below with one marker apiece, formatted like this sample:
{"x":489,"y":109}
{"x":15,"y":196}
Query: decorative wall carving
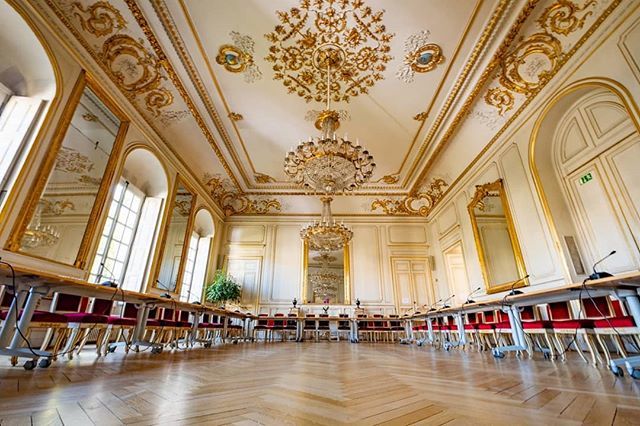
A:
{"x":420,"y":56}
{"x":55,"y":208}
{"x":390,"y":179}
{"x":528,"y":66}
{"x":233,"y":202}
{"x":348,"y":35}
{"x":69,"y":160}
{"x":100,"y":18}
{"x":416,"y":204}
{"x":262,"y":178}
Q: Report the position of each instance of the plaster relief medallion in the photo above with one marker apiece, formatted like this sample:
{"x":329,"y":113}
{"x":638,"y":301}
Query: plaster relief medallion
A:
{"x":238,"y":57}
{"x":420,"y":56}
{"x":347,"y":40}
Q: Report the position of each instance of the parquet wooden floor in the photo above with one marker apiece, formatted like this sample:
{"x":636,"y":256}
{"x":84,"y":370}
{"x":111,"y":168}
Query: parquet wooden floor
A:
{"x":315,"y":383}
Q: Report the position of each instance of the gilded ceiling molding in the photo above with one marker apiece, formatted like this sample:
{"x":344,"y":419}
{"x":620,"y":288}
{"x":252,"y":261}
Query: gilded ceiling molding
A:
{"x":234,"y":116}
{"x":503,"y":52}
{"x":421,"y":116}
{"x":55,"y":208}
{"x":262,"y":178}
{"x":177,"y":42}
{"x":69,"y":160}
{"x":389,"y":179}
{"x":233,"y":202}
{"x":316,"y":33}
{"x":418,"y":204}
{"x":238,"y":57}
{"x":420,"y":56}
{"x":100,"y":18}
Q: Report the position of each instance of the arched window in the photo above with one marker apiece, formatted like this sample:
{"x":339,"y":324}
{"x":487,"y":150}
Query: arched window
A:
{"x":124,"y":251}
{"x":27,"y":89}
{"x":195,"y":271}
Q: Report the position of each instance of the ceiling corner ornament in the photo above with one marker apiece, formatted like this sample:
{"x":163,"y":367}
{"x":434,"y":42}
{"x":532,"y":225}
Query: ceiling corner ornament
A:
{"x":233,"y":202}
{"x":418,"y":204}
{"x":561,"y":17}
{"x":100,"y":18}
{"x":238,"y":57}
{"x":347,"y":33}
{"x":390,"y":179}
{"x":262,"y":178}
{"x":234,"y":116}
{"x":420,"y":56}
{"x":537,"y":57}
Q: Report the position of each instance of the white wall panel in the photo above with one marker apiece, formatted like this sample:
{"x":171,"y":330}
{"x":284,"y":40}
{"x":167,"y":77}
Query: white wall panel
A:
{"x":365,"y":255}
{"x":287,"y":264}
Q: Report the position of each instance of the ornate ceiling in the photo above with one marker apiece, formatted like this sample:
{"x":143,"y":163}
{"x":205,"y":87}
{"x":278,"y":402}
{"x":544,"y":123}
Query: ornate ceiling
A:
{"x":230,"y":86}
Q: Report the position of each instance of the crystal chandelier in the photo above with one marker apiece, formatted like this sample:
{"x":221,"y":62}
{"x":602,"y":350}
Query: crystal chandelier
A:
{"x":38,"y":235}
{"x":325,"y":284}
{"x":326,"y":235}
{"x":329,"y":164}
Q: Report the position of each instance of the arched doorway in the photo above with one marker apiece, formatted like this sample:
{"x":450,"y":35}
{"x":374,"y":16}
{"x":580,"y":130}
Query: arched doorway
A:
{"x":584,"y":152}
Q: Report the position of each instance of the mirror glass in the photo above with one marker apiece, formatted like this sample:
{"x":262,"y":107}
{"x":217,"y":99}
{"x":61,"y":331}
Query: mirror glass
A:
{"x":326,"y":277}
{"x":60,"y":220}
{"x":176,"y":234}
{"x":496,"y":241}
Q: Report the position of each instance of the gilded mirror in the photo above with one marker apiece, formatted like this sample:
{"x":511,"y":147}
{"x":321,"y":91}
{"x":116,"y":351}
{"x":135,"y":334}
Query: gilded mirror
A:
{"x":74,"y":181}
{"x":326,"y":276}
{"x":175,"y":240}
{"x":496,"y":240}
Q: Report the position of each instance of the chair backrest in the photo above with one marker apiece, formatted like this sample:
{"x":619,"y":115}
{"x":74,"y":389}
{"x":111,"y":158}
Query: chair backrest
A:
{"x":310,"y":323}
{"x":596,"y":307}
{"x":102,"y":306}
{"x":184,"y":316}
{"x":263,"y":322}
{"x":559,"y":311}
{"x":617,"y":307}
{"x":395,"y":323}
{"x":168,"y":314}
{"x":528,"y":313}
{"x":279,"y":323}
{"x":502,"y":316}
{"x":70,"y":303}
{"x":472,"y":318}
{"x":7,"y":299}
{"x":489,"y":317}
{"x":130,"y":311}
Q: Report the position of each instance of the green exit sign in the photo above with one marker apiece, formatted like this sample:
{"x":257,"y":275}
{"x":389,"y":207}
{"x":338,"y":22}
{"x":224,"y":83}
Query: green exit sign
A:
{"x":586,"y":178}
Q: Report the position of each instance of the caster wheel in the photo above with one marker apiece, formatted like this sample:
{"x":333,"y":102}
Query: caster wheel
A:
{"x":44,"y":363}
{"x":207,"y":345}
{"x":636,"y":374}
{"x":111,"y":349}
{"x":235,"y":342}
{"x":419,"y":343}
{"x":617,"y":371}
{"x":499,"y":355}
{"x":29,"y":365}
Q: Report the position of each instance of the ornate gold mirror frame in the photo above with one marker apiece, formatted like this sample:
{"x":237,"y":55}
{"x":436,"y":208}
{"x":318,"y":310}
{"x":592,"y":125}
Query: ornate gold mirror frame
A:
{"x":480,"y":203}
{"x":35,"y":192}
{"x":346,"y":274}
{"x":165,"y":233}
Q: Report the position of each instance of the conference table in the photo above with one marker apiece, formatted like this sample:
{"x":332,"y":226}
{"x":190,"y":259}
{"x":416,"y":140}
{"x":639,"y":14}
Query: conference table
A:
{"x":625,"y":287}
{"x":354,"y":322}
{"x":32,"y":285}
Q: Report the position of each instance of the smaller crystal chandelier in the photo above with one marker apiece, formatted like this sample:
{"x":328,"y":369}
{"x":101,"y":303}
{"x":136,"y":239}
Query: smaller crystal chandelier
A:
{"x":329,"y":164}
{"x":38,"y":235}
{"x":326,"y":235}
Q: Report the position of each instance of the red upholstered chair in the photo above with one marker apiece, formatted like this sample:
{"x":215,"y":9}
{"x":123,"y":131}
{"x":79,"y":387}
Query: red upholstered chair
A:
{"x":472,"y":329}
{"x":209,"y":329}
{"x":396,"y":329}
{"x":262,"y":325}
{"x":324,"y":327}
{"x":488,"y":329}
{"x":538,"y":333}
{"x":81,"y":321}
{"x":344,"y":325}
{"x":611,"y":321}
{"x":310,"y":326}
{"x":565,"y":327}
{"x":277,"y":326}
{"x":364,"y":330}
{"x":55,"y":325}
{"x":290,"y":326}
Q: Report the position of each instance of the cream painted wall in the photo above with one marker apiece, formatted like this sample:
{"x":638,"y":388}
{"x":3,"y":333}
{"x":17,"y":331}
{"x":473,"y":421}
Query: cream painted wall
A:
{"x":388,"y":263}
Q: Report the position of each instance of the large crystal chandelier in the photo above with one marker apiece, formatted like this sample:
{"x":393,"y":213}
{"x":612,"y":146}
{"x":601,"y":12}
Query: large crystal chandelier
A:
{"x":326,"y":235}
{"x":39,"y":235}
{"x":329,"y":164}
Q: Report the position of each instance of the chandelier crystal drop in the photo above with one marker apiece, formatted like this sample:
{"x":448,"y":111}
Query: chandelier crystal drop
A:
{"x":39,"y":235}
{"x":326,"y":235}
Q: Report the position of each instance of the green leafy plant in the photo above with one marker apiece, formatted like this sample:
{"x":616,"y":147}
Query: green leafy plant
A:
{"x":223,"y":289}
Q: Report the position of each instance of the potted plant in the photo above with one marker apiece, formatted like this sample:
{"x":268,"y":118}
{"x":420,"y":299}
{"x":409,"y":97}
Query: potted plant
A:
{"x":223,"y":289}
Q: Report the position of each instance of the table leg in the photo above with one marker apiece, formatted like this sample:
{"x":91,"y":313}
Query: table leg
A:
{"x":517,"y":332}
{"x":631,"y":364}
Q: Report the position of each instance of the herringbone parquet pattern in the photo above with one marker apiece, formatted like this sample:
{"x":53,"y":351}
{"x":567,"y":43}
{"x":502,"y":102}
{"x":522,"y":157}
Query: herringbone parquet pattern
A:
{"x":315,"y":383}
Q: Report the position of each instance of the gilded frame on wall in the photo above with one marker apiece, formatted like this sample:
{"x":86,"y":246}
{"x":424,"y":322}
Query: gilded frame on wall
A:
{"x":106,"y":185}
{"x":483,"y":191}
{"x":346,"y":268}
{"x":165,"y":232}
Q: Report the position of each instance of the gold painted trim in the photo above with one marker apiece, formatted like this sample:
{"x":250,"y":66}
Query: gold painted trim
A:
{"x":52,"y":110}
{"x":165,"y":232}
{"x":498,"y":185}
{"x":346,"y":274}
{"x":625,"y":97}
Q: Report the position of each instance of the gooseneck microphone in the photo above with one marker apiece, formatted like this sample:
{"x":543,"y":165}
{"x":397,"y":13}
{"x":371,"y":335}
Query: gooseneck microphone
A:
{"x":444,"y":302}
{"x":111,"y":282}
{"x":432,"y":307}
{"x":597,"y":275}
{"x":164,"y":295}
{"x":469,"y":300}
{"x":513,"y":291}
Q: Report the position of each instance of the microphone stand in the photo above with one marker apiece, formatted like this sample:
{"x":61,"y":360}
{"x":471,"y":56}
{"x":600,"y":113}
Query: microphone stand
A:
{"x":469,"y":300}
{"x":602,"y":274}
{"x":444,"y":303}
{"x":432,"y":307}
{"x":513,"y":291}
{"x":111,"y":282}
